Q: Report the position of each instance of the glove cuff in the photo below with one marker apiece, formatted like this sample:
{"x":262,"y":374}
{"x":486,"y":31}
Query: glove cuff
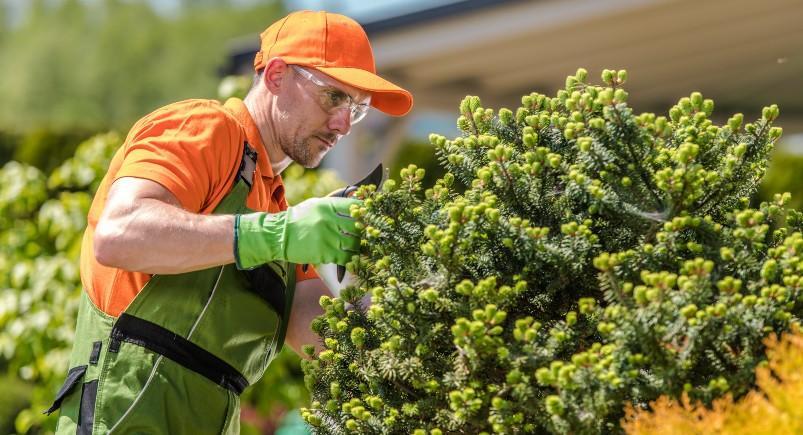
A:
{"x":258,"y":239}
{"x":237,"y":261}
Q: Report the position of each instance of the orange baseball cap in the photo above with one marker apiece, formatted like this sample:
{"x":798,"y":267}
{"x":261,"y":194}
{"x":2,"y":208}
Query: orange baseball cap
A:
{"x":337,"y":46}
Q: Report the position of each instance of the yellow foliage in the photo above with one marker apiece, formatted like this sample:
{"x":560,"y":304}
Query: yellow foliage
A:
{"x":775,"y":408}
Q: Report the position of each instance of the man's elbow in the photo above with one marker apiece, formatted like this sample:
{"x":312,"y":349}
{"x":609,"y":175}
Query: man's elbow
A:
{"x":107,"y":247}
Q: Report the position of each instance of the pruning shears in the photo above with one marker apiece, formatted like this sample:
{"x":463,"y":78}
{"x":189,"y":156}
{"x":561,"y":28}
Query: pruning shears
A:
{"x":334,"y":275}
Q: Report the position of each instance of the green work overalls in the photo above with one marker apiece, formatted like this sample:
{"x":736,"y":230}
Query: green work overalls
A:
{"x":178,"y":357}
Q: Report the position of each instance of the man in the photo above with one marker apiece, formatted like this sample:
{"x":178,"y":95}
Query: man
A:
{"x":190,"y":257}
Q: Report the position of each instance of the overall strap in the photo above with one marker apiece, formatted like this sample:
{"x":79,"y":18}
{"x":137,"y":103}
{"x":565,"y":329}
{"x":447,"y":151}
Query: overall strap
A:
{"x":182,"y":351}
{"x":248,"y":166}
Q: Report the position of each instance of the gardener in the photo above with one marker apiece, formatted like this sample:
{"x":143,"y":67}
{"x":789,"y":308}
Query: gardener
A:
{"x":190,"y":257}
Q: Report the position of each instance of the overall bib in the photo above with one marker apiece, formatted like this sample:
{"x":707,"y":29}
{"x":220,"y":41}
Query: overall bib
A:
{"x":178,"y":357}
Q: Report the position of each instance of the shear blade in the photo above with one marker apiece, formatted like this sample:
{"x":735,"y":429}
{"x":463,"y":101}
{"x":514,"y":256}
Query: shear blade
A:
{"x":376,"y":177}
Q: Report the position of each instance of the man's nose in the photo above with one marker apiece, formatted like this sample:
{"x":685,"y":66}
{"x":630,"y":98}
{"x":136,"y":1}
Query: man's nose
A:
{"x":340,"y":121}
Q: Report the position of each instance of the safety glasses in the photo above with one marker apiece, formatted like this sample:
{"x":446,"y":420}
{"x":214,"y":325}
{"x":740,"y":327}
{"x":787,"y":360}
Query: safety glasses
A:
{"x":332,"y":99}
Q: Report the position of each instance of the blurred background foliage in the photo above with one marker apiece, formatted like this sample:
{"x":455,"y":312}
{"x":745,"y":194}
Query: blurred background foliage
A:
{"x":783,"y":175}
{"x":72,"y":68}
{"x":102,"y":64}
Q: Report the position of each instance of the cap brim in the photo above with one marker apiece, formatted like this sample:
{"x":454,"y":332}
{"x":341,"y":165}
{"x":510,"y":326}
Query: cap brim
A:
{"x":385,"y":96}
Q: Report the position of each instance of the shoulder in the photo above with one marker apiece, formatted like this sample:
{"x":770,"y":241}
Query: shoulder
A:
{"x":193,"y":117}
{"x":196,"y":106}
{"x":191,"y":147}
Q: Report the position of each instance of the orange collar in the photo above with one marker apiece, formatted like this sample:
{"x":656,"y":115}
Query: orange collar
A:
{"x":237,"y":107}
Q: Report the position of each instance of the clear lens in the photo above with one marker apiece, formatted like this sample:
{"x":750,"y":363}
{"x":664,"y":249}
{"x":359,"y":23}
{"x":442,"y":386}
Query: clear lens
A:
{"x":358,"y":112}
{"x":329,"y":103}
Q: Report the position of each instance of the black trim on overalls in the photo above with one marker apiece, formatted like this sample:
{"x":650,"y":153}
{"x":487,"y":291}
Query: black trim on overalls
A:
{"x":157,"y":339}
{"x":94,"y":356}
{"x":248,"y":165}
{"x":74,"y":376}
{"x":267,"y":284}
{"x":86,"y":413}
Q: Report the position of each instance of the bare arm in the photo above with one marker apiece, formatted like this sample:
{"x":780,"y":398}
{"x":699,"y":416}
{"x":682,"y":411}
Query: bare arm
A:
{"x":305,"y":309}
{"x":144,"y":229}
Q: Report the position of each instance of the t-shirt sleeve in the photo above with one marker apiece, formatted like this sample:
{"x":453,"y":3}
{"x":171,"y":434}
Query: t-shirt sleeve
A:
{"x":190,"y":151}
{"x":309,"y":274}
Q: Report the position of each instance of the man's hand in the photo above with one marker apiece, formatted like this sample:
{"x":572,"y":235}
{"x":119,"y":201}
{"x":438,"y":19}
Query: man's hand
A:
{"x":305,"y":309}
{"x":318,"y":230}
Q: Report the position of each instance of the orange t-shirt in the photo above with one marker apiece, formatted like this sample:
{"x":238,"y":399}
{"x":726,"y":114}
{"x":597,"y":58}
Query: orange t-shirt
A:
{"x":193,"y":148}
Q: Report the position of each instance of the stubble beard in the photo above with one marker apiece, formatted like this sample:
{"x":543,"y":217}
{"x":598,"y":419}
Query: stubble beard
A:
{"x":302,"y":152}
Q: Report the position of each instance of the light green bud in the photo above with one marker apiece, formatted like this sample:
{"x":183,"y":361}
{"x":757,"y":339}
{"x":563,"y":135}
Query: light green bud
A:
{"x":358,"y":336}
{"x":581,"y":74}
{"x":607,"y":76}
{"x":708,"y":107}
{"x":735,"y":122}
{"x":505,"y":116}
{"x":554,"y":405}
{"x":696,"y":100}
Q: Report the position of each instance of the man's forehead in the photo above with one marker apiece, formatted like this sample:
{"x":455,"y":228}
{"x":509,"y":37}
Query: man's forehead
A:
{"x":356,"y":93}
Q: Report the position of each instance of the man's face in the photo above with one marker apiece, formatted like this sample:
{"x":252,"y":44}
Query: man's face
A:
{"x":315,"y":115}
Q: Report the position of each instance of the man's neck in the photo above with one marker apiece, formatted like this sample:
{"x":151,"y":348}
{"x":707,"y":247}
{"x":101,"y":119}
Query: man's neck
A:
{"x":260,"y":113}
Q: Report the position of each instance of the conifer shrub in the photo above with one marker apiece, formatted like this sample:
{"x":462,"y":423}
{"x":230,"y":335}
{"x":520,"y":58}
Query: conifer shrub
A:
{"x":598,"y":258}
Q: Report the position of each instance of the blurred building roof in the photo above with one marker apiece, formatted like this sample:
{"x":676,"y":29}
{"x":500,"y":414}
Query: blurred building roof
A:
{"x":742,"y":53}
{"x":416,"y":13}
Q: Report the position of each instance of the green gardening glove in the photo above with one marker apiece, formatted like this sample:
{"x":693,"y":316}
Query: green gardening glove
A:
{"x":318,"y":230}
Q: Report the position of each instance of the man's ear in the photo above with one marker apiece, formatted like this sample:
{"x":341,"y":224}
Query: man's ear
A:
{"x":276,"y":70}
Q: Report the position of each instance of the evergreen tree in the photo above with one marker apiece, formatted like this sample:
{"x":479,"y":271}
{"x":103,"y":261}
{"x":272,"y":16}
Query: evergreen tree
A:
{"x":598,"y":257}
